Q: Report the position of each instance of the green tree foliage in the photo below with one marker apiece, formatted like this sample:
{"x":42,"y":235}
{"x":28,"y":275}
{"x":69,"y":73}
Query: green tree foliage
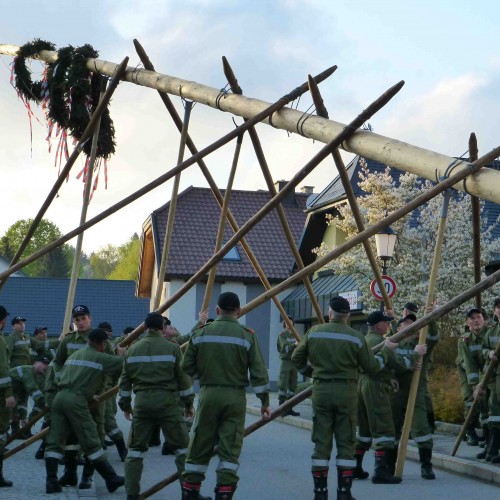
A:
{"x":55,"y":264}
{"x":104,"y":261}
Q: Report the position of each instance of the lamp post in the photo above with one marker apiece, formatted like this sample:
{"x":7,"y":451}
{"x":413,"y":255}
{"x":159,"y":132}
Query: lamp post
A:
{"x":385,"y":242}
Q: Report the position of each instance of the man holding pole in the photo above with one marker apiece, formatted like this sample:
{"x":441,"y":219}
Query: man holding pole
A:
{"x":332,"y":353}
{"x":222,"y":354}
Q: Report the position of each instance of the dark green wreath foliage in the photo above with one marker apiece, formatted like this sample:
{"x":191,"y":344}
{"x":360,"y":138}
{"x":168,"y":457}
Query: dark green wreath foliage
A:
{"x":73,"y":91}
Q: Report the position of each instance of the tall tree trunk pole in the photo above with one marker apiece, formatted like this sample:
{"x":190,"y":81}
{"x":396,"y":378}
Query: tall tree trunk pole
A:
{"x":233,"y":82}
{"x":476,"y":224}
{"x":410,"y":406}
{"x":372,"y":230}
{"x":215,"y":190}
{"x":271,"y":204}
{"x":83,"y":217}
{"x":398,"y":154}
{"x":351,"y":198}
{"x":220,"y":230}
{"x":172,"y":207}
{"x":95,"y":119}
{"x":168,"y":175}
{"x":490,"y":372}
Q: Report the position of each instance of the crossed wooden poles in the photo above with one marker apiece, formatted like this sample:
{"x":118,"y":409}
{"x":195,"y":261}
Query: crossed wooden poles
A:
{"x":304,"y":272}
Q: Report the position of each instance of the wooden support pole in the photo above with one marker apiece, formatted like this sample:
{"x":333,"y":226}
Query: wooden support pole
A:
{"x":372,"y":230}
{"x":233,"y":82}
{"x":490,"y":372}
{"x":215,"y":190}
{"x":165,"y":177}
{"x":476,"y":224}
{"x":83,"y":217}
{"x":410,"y":405}
{"x":172,"y":207}
{"x":95,"y":119}
{"x":31,"y":422}
{"x":351,"y":198}
{"x":220,"y":230}
{"x":271,"y":204}
{"x":388,"y":151}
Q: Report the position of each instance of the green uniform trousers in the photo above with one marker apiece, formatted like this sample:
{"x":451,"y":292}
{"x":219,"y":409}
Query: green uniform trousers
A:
{"x":375,"y":415}
{"x":482,"y":411}
{"x":70,"y":412}
{"x":20,"y":411}
{"x":335,"y":407}
{"x":420,"y":429}
{"x":220,"y":420}
{"x":494,"y":406}
{"x":154,"y":408}
{"x":111,"y":428}
{"x":5,"y":414}
{"x":287,"y":382}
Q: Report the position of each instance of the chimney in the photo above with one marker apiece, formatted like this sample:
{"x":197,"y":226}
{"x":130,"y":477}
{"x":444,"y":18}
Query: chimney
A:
{"x":279,"y":185}
{"x":290,"y":199}
{"x":307,"y":189}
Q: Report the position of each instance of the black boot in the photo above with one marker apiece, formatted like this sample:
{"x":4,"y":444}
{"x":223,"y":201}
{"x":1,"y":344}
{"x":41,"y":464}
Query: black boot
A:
{"x":472,"y":438}
{"x":320,"y":479}
{"x":431,"y":419}
{"x":166,"y":450}
{"x":493,"y":455}
{"x":345,"y":478}
{"x":483,"y":440}
{"x":382,"y":474}
{"x":4,"y":483}
{"x":155,"y":440}
{"x":70,"y":477}
{"x":51,"y":483}
{"x":113,"y":480}
{"x":425,"y":455}
{"x":121,"y":449}
{"x":14,"y":427}
{"x":190,"y":491}
{"x":87,"y":475}
{"x":392,"y":456}
{"x":223,"y":492}
{"x":281,"y":400}
{"x":41,"y":450}
{"x":359,"y":473}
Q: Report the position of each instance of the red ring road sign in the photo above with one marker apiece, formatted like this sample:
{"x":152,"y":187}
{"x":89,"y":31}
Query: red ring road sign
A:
{"x":390,"y":286}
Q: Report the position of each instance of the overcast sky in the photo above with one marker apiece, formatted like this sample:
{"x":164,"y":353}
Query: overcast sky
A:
{"x":446,"y":51}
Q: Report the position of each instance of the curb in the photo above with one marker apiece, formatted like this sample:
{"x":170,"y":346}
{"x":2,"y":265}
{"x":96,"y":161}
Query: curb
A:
{"x":469,"y":468}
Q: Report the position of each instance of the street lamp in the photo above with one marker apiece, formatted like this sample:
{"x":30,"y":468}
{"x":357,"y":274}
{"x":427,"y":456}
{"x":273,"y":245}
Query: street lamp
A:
{"x":385,"y":241}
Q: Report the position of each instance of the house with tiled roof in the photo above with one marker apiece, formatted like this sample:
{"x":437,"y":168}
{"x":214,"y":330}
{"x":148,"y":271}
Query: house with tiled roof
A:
{"x":316,"y":230}
{"x":192,"y":244}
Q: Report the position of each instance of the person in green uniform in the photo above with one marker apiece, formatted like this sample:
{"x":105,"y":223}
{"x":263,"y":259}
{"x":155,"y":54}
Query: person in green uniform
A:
{"x":471,"y":358}
{"x":409,"y":353}
{"x":111,"y":427}
{"x":7,"y":401}
{"x":80,"y":380}
{"x":490,"y":342}
{"x":287,"y":381}
{"x":222,"y":354}
{"x":376,"y":425}
{"x":41,"y":345}
{"x":153,"y":373}
{"x":332,"y":353}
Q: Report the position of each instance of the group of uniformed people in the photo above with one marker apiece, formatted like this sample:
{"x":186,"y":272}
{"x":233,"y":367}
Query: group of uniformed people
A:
{"x":353,"y":388}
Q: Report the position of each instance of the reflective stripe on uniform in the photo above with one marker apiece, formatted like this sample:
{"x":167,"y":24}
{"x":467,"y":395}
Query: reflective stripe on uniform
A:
{"x":21,"y":342}
{"x":384,"y":439}
{"x":473,"y":348}
{"x":75,"y":346}
{"x":180,"y":452}
{"x":433,"y":337}
{"x":219,"y":339}
{"x":403,"y":351}
{"x":125,"y":394}
{"x":322,"y":463}
{"x":336,"y":336}
{"x":345,"y":463}
{"x":5,"y":380}
{"x":494,"y":419}
{"x":381,"y":361}
{"x":134,"y":453}
{"x":468,"y":404}
{"x":227,"y":465}
{"x":96,"y":455}
{"x":494,"y":340}
{"x":187,"y":392}
{"x":72,"y":447}
{"x":22,"y":407}
{"x":484,"y":421}
{"x":407,"y":362}
{"x":421,"y":439}
{"x":83,"y":362}
{"x":53,"y":454}
{"x":19,"y":371}
{"x":261,"y":388}
{"x":151,"y":359}
{"x":37,"y":393}
{"x":188,"y":467}
{"x":33,"y":353}
{"x":116,"y":430}
{"x":472,"y":376}
{"x":364,"y":439}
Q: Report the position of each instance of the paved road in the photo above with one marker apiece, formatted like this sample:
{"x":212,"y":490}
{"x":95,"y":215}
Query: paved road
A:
{"x":274,"y":465}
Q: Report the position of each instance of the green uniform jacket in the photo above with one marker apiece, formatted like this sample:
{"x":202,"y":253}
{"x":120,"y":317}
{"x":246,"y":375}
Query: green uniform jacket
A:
{"x":154,"y":363}
{"x":22,"y":376}
{"x":336,"y":351}
{"x":86,"y":369}
{"x":286,"y":344}
{"x":5,"y":382}
{"x":470,"y":354}
{"x":45,"y":348}
{"x":19,"y":345}
{"x":490,"y":342}
{"x":223,"y":353}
